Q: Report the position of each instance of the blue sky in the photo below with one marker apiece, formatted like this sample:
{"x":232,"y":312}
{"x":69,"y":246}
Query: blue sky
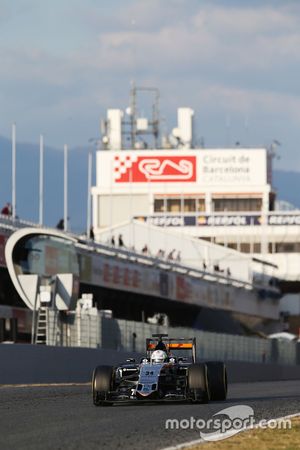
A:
{"x":63,"y":63}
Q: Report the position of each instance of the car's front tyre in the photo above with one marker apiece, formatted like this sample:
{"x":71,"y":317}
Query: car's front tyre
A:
{"x":197,"y":383}
{"x":102,"y":384}
{"x":217,"y":380}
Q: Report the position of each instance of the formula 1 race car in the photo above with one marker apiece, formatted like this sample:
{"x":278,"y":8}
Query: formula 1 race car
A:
{"x":161,"y":375}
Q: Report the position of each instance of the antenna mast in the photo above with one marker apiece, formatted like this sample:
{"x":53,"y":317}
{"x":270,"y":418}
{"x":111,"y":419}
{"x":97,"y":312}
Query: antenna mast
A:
{"x":153,"y":124}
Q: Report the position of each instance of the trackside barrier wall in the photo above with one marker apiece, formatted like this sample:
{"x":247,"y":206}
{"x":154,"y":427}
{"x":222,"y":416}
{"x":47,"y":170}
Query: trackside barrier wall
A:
{"x":26,"y":364}
{"x":93,"y":331}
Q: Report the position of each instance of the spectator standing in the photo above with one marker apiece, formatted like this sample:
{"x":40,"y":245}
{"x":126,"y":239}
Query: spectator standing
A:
{"x":171,"y":255}
{"x":160,"y":253}
{"x":6,"y":210}
{"x":92,"y":235}
{"x":60,"y":225}
{"x":112,"y":241}
{"x":121,"y":242}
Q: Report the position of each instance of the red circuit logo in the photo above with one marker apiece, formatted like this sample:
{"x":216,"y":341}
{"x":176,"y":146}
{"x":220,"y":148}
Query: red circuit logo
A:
{"x":143,"y":169}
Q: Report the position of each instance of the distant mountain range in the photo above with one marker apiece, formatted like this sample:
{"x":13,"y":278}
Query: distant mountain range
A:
{"x":286,"y":183}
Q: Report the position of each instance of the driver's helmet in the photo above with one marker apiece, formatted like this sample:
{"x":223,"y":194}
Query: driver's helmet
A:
{"x":158,"y":357}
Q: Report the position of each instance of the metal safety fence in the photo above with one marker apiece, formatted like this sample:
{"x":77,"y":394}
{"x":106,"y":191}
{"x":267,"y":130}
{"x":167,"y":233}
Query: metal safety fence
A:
{"x":91,"y":330}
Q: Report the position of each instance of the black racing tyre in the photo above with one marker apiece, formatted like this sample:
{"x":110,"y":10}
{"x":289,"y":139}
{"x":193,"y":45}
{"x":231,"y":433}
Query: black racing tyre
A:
{"x":197,"y":383}
{"x":102,"y":383}
{"x":217,"y":380}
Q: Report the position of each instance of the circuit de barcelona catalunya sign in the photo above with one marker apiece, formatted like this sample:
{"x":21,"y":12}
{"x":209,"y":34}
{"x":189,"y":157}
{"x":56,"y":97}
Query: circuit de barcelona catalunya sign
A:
{"x":140,"y":169}
{"x":219,"y":220}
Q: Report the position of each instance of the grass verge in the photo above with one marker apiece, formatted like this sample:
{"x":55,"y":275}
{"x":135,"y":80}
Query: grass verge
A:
{"x":262,"y":439}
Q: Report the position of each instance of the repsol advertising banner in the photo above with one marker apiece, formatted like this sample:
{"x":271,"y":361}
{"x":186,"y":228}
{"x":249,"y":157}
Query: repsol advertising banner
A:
{"x":220,"y":220}
{"x":284,"y":219}
{"x":190,"y":221}
{"x":168,"y":221}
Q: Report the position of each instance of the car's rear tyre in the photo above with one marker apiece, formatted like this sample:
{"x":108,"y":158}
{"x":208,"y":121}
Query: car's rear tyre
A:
{"x":197,"y":382}
{"x":102,"y":384}
{"x":217,"y":380}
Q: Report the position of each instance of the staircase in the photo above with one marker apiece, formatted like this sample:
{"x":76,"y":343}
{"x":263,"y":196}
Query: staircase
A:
{"x":42,"y":324}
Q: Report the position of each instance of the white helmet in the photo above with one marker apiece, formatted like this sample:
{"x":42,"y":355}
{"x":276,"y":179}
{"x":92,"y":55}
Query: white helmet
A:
{"x":158,"y":357}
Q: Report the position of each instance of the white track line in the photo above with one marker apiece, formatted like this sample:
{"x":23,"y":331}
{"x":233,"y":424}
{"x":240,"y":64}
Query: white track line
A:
{"x":200,"y":441}
{"x":2,"y":386}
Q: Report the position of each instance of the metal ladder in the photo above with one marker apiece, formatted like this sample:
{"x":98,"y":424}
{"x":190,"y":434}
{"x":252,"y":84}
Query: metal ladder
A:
{"x":42,"y":325}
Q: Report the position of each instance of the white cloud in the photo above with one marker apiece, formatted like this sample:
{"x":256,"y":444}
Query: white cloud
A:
{"x":220,"y":40}
{"x":235,"y":59}
{"x":141,"y":16}
{"x":232,"y":21}
{"x":248,"y":101}
{"x":228,"y":39}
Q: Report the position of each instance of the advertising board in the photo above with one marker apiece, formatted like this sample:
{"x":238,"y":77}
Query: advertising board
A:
{"x":197,"y":167}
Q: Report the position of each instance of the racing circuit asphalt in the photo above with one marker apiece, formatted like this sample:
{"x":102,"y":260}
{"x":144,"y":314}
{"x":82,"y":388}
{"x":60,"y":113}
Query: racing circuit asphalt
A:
{"x":63,"y":417}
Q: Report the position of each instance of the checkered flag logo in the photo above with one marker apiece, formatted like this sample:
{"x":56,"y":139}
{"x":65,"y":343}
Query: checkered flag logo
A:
{"x":122,"y":165}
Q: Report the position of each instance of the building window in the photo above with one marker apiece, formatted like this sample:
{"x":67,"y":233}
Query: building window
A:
{"x":173,"y":205}
{"x":245,"y":247}
{"x":287,"y":247}
{"x":159,"y":205}
{"x":179,"y":204}
{"x":256,"y":248}
{"x":189,"y":205}
{"x":237,"y":204}
{"x":200,"y":204}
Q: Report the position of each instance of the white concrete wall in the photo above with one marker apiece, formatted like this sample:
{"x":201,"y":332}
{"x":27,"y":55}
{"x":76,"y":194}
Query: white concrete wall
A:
{"x":288,"y":265}
{"x":193,"y":251}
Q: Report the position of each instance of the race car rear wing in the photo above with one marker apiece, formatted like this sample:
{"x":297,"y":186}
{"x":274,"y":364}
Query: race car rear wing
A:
{"x":158,"y":341}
